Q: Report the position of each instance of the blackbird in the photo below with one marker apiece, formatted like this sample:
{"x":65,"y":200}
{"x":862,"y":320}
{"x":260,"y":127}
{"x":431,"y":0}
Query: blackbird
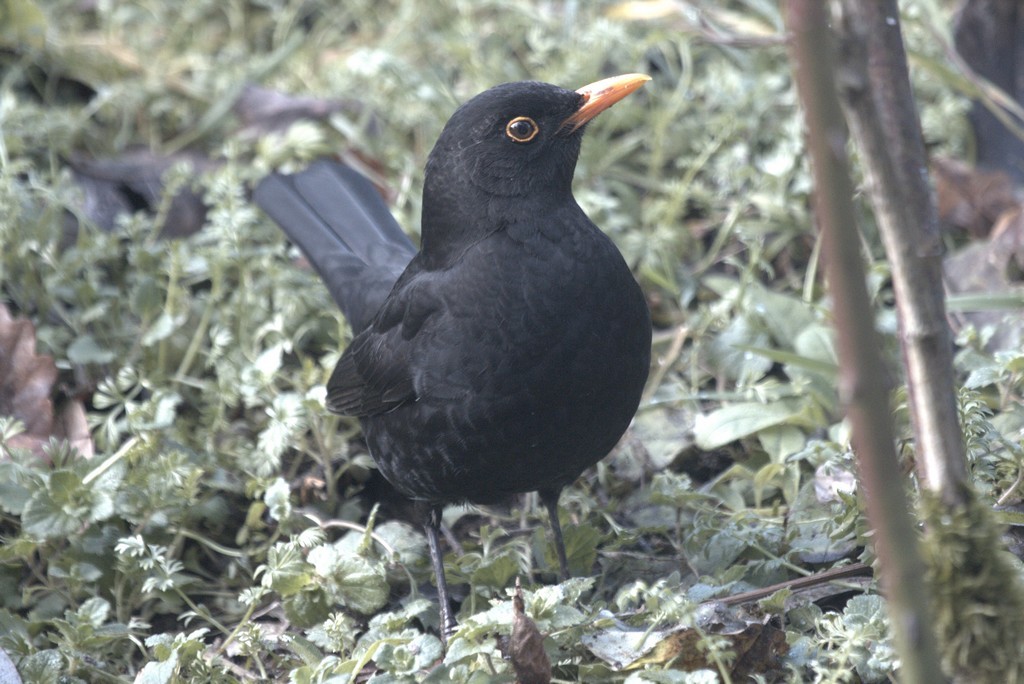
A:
{"x":509,"y":353}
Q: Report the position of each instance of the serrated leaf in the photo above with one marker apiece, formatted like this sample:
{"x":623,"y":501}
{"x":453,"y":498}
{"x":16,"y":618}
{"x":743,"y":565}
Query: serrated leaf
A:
{"x":497,"y":570}
{"x":63,"y":505}
{"x":286,"y":571}
{"x":307,"y":607}
{"x":407,"y":541}
{"x":43,"y":666}
{"x":672,"y":489}
{"x":278,"y":500}
{"x":350,"y":579}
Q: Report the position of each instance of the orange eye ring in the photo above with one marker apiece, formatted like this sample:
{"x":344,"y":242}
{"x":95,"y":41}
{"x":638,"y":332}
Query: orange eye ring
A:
{"x":522,"y":129}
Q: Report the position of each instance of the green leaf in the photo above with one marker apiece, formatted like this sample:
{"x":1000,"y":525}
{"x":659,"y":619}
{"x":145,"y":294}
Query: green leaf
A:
{"x":22,"y":25}
{"x":664,"y":433}
{"x":552,"y":605}
{"x":148,"y":297}
{"x":85,"y":349}
{"x":94,"y":611}
{"x":817,"y":342}
{"x":158,"y":672}
{"x":162,"y":328}
{"x":13,"y":494}
{"x":42,"y":667}
{"x":782,"y":441}
{"x":64,"y":504}
{"x":497,"y":570}
{"x":286,"y":571}
{"x":335,"y":634}
{"x":287,"y":417}
{"x":350,"y":579}
{"x":581,"y":542}
{"x":672,"y":489}
{"x":306,"y":649}
{"x":983,"y":377}
{"x":793,"y":359}
{"x":728,"y":351}
{"x":278,"y":500}
{"x":737,"y":421}
{"x":408,"y":543}
{"x":785,"y":316}
{"x":307,"y":607}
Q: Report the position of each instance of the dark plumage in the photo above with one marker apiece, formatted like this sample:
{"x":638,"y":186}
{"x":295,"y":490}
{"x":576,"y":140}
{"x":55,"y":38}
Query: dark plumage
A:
{"x":510,"y":353}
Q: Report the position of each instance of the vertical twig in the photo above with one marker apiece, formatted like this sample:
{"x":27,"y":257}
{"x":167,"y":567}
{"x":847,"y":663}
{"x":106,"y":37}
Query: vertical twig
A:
{"x":978,"y":599}
{"x":875,"y":85}
{"x":862,"y":381}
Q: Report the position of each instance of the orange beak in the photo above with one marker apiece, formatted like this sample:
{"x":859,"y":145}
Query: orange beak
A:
{"x":601,"y":95}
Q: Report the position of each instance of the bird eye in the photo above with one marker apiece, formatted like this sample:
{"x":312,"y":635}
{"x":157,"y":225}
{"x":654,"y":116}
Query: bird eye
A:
{"x":522,"y":129}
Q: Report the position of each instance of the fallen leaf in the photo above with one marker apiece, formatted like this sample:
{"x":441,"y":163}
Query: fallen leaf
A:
{"x":26,"y":386}
{"x":529,"y":659}
{"x":969,"y":198}
{"x":757,"y":644}
{"x":264,"y":110}
{"x":988,"y":269}
{"x":134,"y":181}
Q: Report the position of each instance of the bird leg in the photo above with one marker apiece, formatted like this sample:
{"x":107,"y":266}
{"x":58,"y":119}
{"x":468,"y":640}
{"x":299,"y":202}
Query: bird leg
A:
{"x":432,"y":526}
{"x":550,"y":499}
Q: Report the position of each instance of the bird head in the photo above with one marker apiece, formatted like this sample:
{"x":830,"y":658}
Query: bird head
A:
{"x":513,"y":145}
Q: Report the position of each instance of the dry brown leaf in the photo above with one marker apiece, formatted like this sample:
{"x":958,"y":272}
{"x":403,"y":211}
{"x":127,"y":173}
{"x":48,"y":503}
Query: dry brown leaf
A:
{"x":969,"y":198}
{"x":757,"y":643}
{"x":134,"y":180}
{"x":26,"y":385}
{"x":992,"y":267}
{"x":529,"y":659}
{"x":263,"y":110}
{"x":72,"y":425}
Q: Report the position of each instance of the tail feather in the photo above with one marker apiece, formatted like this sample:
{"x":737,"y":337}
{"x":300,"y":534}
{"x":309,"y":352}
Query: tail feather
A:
{"x":335,"y":216}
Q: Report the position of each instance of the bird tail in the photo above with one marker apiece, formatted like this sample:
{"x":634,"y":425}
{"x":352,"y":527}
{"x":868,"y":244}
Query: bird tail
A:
{"x":340,"y":222}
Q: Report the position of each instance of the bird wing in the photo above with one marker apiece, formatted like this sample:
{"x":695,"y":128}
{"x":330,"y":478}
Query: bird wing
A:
{"x":376,"y":372}
{"x":366,"y":380}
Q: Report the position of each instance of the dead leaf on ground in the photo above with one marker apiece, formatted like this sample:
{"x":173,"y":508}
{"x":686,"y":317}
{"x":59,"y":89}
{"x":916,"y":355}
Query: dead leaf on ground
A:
{"x":26,"y":386}
{"x":529,"y":659}
{"x":263,"y":110}
{"x":992,"y":267}
{"x":134,"y":181}
{"x":758,"y":644}
{"x":969,"y":198}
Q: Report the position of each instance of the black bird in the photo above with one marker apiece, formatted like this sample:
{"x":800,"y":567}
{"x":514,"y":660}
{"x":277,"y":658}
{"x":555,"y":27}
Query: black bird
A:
{"x":507,"y":355}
